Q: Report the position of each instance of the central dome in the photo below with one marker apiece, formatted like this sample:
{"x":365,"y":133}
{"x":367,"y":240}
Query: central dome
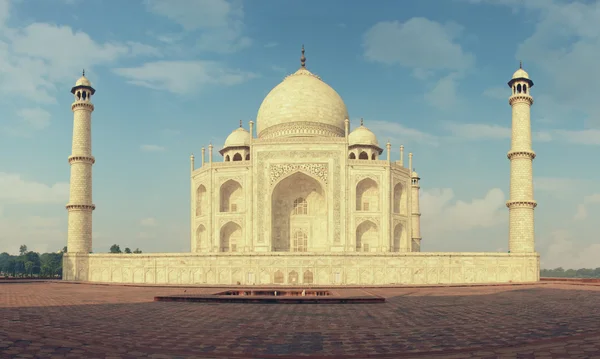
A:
{"x":302,"y":105}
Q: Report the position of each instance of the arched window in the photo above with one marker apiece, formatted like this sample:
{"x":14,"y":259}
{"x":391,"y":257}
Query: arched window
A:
{"x":227,"y":158}
{"x":363,"y":156}
{"x":524,"y":88}
{"x":352,"y":156}
{"x":248,"y":157}
{"x":237,"y":157}
{"x":308,"y":277}
{"x":519,"y":88}
{"x":300,"y":242}
{"x":278,"y":277}
{"x":373,"y":157}
{"x":300,"y":206}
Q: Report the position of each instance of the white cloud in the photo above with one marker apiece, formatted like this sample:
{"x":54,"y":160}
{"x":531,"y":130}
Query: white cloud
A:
{"x":35,"y":118}
{"x":40,"y":234}
{"x":477,"y":131}
{"x":28,"y":121}
{"x":219,"y":22}
{"x":4,"y":11}
{"x":564,"y":251}
{"x":418,"y":43}
{"x":583,"y":137}
{"x":444,"y":95}
{"x":441,"y":215}
{"x":152,"y":148}
{"x":14,"y":189}
{"x":183,"y":77}
{"x":148,"y":222}
{"x":499,"y":93}
{"x":31,"y":69}
{"x":582,"y":208}
{"x":398,"y":133}
{"x":566,"y":35}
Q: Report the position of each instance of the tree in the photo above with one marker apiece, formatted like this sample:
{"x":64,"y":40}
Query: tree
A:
{"x":28,"y":268}
{"x":115,"y":249}
{"x":64,"y":250}
{"x":127,"y":250}
{"x":22,"y":249}
{"x":137,"y":251}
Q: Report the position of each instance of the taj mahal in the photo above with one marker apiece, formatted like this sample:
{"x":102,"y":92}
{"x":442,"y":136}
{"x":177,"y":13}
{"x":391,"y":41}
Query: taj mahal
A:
{"x":301,"y":198}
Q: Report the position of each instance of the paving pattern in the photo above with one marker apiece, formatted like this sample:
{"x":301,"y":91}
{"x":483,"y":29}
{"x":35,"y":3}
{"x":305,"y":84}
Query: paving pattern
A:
{"x":62,"y":320}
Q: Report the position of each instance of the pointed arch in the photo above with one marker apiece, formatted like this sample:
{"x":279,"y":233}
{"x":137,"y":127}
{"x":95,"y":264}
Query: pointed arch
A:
{"x":278,"y":277}
{"x":227,"y":158}
{"x":237,"y":157}
{"x":400,"y":242}
{"x":232,"y":196}
{"x":374,"y":156}
{"x":363,"y":156}
{"x":293,"y":277}
{"x":247,"y":157}
{"x":230,"y":237}
{"x":201,"y":199}
{"x":367,"y":195}
{"x":201,"y":243}
{"x":352,"y":156}
{"x":298,"y":203}
{"x":308,"y":277}
{"x":367,"y":234}
{"x":399,"y":199}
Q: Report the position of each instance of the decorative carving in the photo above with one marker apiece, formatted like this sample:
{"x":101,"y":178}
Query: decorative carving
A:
{"x":362,"y":176}
{"x":305,"y":127}
{"x":226,"y":178}
{"x":521,"y":154}
{"x":237,"y":220}
{"x":319,"y":170}
{"x":360,"y":220}
{"x":264,"y":187}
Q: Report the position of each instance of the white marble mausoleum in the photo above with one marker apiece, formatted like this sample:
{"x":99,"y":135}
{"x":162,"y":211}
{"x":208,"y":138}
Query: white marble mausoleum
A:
{"x":303,"y":199}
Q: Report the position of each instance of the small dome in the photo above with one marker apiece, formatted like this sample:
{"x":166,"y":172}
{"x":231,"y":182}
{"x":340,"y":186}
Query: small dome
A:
{"x":520,"y":74}
{"x":414,"y":175}
{"x":362,"y":136}
{"x":238,"y":138}
{"x":83,"y":81}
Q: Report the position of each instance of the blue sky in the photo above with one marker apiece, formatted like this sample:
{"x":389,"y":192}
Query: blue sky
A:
{"x":172,"y":76}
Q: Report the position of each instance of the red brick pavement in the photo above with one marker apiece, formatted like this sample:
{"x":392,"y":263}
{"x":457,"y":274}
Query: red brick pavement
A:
{"x":56,"y":320}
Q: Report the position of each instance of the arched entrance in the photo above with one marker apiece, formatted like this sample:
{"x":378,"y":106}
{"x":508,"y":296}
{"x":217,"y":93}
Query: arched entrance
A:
{"x":298,"y":214}
{"x":231,"y":237}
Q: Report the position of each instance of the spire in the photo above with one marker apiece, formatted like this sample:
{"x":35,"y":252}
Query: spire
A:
{"x":361,"y":121}
{"x":520,"y":64}
{"x":303,"y":58}
{"x":83,"y":72}
{"x":240,"y":123}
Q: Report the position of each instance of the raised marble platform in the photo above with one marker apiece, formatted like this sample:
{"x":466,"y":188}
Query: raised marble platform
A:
{"x":292,"y":269}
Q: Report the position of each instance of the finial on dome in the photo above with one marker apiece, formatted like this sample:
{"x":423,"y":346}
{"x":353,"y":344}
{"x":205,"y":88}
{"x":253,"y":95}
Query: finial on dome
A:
{"x":303,"y":58}
{"x":240,"y":123}
{"x":83,"y":72}
{"x":520,"y":64}
{"x":361,"y":121}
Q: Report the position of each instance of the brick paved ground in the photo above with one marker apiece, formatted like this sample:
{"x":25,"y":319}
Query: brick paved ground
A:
{"x":551,"y":320}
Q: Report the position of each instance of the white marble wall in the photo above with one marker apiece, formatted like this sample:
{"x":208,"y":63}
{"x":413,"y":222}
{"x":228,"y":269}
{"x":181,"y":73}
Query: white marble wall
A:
{"x":326,"y":269}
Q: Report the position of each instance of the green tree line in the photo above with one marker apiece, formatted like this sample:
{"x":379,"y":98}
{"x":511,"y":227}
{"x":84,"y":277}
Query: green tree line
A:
{"x":571,"y":273}
{"x":31,"y":264}
{"x":46,"y":265}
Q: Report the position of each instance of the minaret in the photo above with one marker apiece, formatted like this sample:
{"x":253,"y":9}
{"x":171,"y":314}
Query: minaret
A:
{"x":415,"y":245}
{"x":521,"y":203}
{"x":80,"y":207}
